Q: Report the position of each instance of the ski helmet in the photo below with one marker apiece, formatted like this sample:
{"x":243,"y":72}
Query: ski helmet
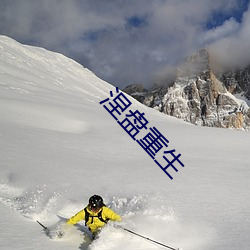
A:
{"x":96,"y":202}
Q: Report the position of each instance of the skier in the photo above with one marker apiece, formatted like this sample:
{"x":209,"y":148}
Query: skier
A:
{"x":95,"y":214}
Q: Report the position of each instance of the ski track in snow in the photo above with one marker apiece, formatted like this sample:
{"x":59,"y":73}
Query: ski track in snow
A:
{"x":43,"y":117}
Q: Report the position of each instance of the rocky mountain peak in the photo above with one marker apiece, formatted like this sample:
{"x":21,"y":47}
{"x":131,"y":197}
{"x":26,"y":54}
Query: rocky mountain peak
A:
{"x":200,"y":96}
{"x":196,"y":64}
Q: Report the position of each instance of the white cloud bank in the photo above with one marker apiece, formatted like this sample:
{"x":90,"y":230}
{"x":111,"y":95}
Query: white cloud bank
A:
{"x":130,"y":41}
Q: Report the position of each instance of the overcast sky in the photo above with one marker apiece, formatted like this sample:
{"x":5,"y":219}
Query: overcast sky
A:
{"x":131,"y":41}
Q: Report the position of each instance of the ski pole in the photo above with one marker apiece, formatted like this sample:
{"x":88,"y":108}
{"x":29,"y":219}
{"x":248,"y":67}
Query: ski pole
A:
{"x":146,"y":238}
{"x":45,"y":228}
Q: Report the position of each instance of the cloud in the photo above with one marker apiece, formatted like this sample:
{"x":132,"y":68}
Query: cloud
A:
{"x":228,"y":28}
{"x":233,"y":49}
{"x":121,"y":41}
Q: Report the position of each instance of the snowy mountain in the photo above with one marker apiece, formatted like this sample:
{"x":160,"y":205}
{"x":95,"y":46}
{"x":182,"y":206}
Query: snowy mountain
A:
{"x":59,"y":146}
{"x":201,"y":95}
{"x":237,"y":81}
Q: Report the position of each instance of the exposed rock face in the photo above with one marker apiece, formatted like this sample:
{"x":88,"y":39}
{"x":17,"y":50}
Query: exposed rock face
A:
{"x":199,"y":97}
{"x":137,"y":91}
{"x":237,"y":81}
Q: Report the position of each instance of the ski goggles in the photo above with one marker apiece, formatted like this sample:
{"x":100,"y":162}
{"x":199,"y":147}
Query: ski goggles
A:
{"x":94,"y":208}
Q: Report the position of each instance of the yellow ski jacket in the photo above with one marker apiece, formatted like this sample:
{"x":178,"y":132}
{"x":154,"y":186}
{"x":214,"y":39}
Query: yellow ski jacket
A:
{"x":94,"y":223}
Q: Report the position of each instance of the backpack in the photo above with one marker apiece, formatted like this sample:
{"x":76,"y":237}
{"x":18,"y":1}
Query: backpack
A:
{"x":88,"y":216}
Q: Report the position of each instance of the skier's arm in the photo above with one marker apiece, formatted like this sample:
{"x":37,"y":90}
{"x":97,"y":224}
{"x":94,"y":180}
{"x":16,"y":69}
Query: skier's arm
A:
{"x":110,"y":214}
{"x":77,"y":217}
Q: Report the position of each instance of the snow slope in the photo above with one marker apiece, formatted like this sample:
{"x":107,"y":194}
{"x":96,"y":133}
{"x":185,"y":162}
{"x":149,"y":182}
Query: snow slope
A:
{"x":59,"y":146}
